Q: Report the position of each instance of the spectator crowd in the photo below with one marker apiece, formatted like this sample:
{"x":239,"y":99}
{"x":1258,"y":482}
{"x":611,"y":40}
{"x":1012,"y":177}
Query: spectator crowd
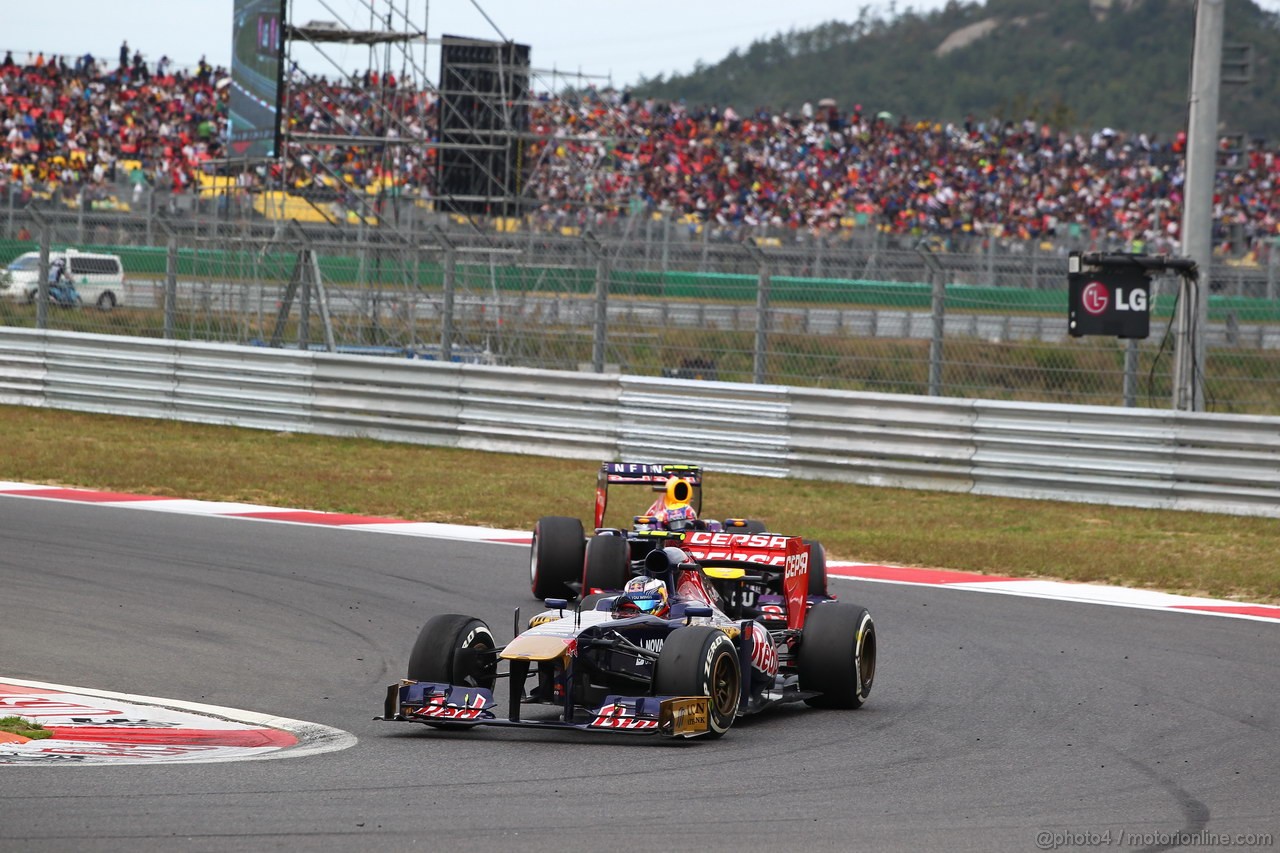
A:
{"x":68,"y":129}
{"x":79,"y":128}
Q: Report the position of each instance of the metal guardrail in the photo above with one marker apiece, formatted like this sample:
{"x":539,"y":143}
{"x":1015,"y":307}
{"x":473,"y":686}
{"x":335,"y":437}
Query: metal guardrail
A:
{"x":728,"y":426}
{"x":1095,"y":454}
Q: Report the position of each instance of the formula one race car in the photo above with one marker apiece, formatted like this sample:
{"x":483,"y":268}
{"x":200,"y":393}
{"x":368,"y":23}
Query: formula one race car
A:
{"x":666,"y":655}
{"x":563,"y":563}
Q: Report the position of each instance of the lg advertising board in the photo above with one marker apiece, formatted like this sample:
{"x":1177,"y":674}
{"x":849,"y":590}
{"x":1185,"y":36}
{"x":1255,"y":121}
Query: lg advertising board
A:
{"x":1115,"y":302}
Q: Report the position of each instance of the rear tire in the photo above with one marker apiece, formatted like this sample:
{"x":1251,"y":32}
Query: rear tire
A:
{"x":556,"y":557}
{"x":755,"y":526}
{"x":106,"y":301}
{"x":838,"y":655}
{"x":446,"y":652}
{"x":699,"y":660}
{"x":607,"y":563}
{"x":817,"y":568}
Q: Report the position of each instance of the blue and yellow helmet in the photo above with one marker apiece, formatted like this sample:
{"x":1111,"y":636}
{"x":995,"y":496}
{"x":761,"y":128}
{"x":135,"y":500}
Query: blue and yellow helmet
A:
{"x":642,"y":595}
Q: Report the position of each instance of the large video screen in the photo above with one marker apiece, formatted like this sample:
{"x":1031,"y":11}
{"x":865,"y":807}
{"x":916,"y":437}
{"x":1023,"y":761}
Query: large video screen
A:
{"x":257,"y":61}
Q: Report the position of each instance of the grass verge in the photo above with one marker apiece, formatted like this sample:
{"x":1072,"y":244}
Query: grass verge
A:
{"x":24,"y":728}
{"x":1192,"y":553}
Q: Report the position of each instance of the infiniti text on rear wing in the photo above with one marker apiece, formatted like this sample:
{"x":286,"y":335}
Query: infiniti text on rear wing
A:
{"x":654,"y":475}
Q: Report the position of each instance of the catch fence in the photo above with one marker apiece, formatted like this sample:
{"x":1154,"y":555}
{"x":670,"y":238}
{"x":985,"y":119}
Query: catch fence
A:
{"x":653,"y":297}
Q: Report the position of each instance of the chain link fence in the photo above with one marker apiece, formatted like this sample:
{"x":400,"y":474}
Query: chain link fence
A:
{"x":643,"y":296}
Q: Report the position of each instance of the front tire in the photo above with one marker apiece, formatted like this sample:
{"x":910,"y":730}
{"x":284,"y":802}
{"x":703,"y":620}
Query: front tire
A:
{"x":454,"y":649}
{"x":698,"y":660}
{"x":838,"y":655}
{"x":556,"y":557}
{"x":607,"y":563}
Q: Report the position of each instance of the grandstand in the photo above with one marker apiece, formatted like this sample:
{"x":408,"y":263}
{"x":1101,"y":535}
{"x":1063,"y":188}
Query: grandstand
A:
{"x":596,"y":157}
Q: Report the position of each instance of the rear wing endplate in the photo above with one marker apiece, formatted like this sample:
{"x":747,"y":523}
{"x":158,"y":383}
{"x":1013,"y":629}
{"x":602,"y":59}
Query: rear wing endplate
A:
{"x":788,"y":554}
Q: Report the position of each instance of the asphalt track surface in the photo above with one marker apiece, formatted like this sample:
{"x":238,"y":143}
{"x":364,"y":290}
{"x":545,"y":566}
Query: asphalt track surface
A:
{"x":995,"y":723}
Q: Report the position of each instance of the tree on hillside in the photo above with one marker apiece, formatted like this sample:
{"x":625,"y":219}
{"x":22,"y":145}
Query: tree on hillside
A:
{"x":1054,"y":58}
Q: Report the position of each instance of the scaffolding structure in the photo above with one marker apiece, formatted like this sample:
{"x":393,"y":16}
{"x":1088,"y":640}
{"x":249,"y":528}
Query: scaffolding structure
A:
{"x":472,"y":125}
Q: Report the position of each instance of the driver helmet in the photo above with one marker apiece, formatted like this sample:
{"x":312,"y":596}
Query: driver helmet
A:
{"x":672,"y":511}
{"x":642,"y":595}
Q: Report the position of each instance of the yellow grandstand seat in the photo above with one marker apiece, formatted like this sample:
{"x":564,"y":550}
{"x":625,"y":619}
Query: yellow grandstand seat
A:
{"x":353,"y":218}
{"x":284,"y":206}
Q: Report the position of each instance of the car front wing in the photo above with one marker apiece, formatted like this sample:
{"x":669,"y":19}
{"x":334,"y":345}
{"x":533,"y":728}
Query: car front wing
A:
{"x":456,"y":705}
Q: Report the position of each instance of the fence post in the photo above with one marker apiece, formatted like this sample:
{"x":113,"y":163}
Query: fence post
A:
{"x":361,"y":271}
{"x":170,"y":278}
{"x":600,"y":316}
{"x":304,"y":298}
{"x":1273,"y":266}
{"x":1131,"y":373}
{"x":706,"y":237}
{"x":648,"y":239}
{"x":761,"y":350}
{"x":317,"y":280}
{"x":938,"y":307}
{"x":213,"y":215}
{"x":666,"y":244}
{"x":446,"y":306}
{"x":42,"y":285}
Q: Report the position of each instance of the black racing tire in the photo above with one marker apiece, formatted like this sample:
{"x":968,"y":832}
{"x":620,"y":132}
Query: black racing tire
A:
{"x":106,"y":301}
{"x":755,"y":525}
{"x":837,"y":655}
{"x":446,"y":652}
{"x":698,"y":660}
{"x":817,"y":567}
{"x":555,"y":557}
{"x":607,"y":565}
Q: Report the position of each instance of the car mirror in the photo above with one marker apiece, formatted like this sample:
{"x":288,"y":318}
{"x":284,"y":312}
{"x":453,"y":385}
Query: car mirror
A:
{"x":693,"y":610}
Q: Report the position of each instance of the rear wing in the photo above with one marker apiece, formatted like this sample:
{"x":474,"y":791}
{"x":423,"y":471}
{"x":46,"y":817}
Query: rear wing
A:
{"x":645,"y":474}
{"x":788,"y":554}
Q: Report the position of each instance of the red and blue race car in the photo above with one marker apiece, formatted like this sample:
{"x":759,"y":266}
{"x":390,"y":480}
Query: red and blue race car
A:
{"x":665,"y":655}
{"x":564,"y":563}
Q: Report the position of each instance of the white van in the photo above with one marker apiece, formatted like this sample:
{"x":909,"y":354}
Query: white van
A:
{"x":99,"y":279}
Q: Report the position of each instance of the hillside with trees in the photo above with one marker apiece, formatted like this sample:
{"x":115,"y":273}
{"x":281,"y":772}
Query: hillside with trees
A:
{"x":1077,"y":64}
